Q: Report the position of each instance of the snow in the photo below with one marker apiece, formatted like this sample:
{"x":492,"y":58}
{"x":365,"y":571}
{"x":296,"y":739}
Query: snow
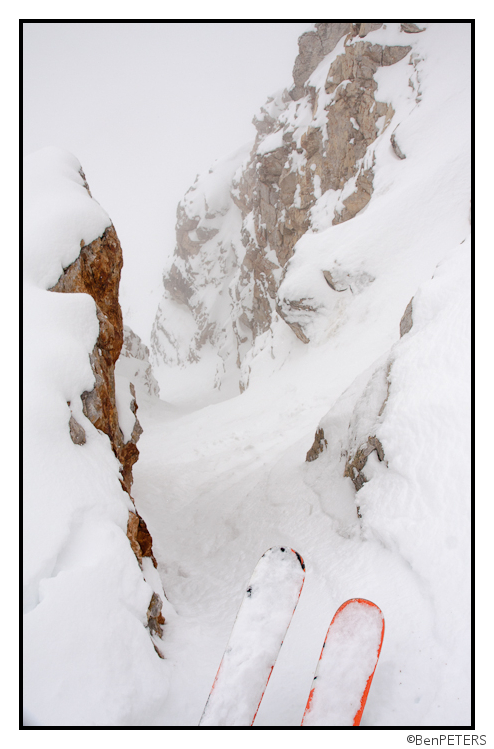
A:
{"x":211,"y":191}
{"x":123,"y":399}
{"x":270,"y":143}
{"x":53,"y":237}
{"x":223,"y":482}
{"x":222,"y":477}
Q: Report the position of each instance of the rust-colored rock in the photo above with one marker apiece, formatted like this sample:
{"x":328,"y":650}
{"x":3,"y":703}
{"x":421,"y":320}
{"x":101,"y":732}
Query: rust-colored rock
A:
{"x":97,"y":272}
{"x":140,"y":538}
{"x":318,"y":447}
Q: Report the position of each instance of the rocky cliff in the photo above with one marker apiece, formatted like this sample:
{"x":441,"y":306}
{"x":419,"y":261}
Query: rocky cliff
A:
{"x":97,"y":272}
{"x":311,"y":166}
{"x":93,"y":274}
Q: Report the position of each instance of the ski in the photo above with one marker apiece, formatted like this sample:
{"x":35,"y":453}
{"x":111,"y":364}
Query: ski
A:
{"x":346,"y":665}
{"x":256,"y":638}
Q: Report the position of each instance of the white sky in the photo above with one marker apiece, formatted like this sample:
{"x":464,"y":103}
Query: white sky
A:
{"x":145,"y":107}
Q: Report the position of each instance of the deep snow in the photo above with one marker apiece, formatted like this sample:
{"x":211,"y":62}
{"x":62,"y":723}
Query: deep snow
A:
{"x":221,"y":484}
{"x":220,"y":481}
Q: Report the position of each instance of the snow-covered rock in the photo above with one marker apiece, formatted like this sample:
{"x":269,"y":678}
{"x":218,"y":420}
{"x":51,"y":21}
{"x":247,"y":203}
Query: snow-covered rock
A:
{"x":88,"y":603}
{"x":269,"y":234}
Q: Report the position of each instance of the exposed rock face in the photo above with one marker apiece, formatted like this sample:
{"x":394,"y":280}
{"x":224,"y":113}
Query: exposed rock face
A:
{"x":396,"y":147}
{"x":366,"y":417}
{"x":97,"y":272}
{"x":355,"y":419}
{"x":355,"y":465}
{"x":155,"y":617}
{"x":411,"y":28}
{"x":406,"y":321}
{"x":313,"y":141}
{"x":318,"y":446}
{"x":77,"y":433}
{"x":313,"y":47}
{"x":139,"y":537}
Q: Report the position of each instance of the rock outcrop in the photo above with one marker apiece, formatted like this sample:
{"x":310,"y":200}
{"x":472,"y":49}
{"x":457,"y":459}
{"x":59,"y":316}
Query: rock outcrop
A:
{"x":314,"y":148}
{"x":406,"y":321}
{"x":77,"y":432}
{"x":353,"y":428}
{"x":320,"y":442}
{"x":355,"y":465}
{"x":313,"y":46}
{"x":96,"y":272}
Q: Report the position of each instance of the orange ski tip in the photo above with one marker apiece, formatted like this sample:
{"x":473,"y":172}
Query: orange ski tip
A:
{"x":358,"y":715}
{"x":356,"y":600}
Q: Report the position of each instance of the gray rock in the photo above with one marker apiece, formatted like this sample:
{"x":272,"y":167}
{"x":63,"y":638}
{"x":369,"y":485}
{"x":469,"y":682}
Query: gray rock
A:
{"x":411,"y":28}
{"x":406,"y":321}
{"x":396,"y":147}
{"x":77,"y":433}
{"x":367,"y":26}
{"x":313,"y":47}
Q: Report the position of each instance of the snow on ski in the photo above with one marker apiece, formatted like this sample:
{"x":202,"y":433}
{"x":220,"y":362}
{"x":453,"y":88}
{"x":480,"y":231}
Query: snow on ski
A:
{"x":256,"y":638}
{"x":346,"y":665}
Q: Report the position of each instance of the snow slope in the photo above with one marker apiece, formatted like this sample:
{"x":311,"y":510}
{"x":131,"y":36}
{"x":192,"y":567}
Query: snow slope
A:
{"x":223,"y":483}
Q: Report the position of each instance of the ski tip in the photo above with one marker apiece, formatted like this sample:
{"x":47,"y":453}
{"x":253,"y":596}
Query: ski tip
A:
{"x":286,"y":550}
{"x":361,"y":601}
{"x":376,"y":620}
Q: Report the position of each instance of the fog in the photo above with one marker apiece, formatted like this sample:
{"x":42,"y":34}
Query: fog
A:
{"x":145,"y":107}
